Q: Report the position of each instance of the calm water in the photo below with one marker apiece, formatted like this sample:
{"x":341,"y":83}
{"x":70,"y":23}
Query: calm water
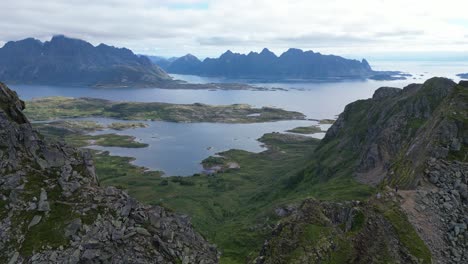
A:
{"x":178,"y":149}
{"x":316,"y":100}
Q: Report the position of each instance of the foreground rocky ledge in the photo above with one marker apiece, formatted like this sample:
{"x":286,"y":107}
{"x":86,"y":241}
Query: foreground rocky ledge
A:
{"x":52,"y":209}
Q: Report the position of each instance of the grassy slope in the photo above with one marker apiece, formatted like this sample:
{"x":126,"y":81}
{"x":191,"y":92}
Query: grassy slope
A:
{"x":235,"y":209}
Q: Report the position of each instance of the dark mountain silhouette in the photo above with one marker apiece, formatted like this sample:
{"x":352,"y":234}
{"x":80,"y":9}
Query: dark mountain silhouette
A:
{"x":67,"y":61}
{"x":162,"y":62}
{"x":187,"y":63}
{"x":292,"y":64}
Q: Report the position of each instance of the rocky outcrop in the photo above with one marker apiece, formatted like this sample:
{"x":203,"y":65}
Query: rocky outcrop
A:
{"x":412,"y":140}
{"x":349,"y":232}
{"x":446,"y":208}
{"x":67,"y":61}
{"x":52,"y":209}
{"x":390,"y":136}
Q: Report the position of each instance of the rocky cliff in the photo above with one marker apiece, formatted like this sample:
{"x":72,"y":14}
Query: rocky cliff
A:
{"x":67,"y":61}
{"x":52,"y":209}
{"x":411,"y":145}
{"x":388,"y":138}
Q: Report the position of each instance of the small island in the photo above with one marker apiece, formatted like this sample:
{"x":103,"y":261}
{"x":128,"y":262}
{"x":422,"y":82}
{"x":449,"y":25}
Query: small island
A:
{"x":306,"y":130}
{"x":76,"y":133}
{"x":126,"y":125}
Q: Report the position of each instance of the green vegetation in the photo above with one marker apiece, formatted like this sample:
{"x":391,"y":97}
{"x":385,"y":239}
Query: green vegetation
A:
{"x":214,"y":161}
{"x":77,"y":137}
{"x":233,"y":209}
{"x":306,"y":130}
{"x":326,"y":121}
{"x":405,"y":231}
{"x":129,"y":125}
{"x":117,"y":171}
{"x":49,"y":231}
{"x":50,"y":108}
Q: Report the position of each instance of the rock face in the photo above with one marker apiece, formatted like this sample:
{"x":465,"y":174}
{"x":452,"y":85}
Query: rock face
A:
{"x":392,"y":135}
{"x":52,"y":209}
{"x":325,"y":232}
{"x":293,"y":64}
{"x":66,"y":61}
{"x":413,"y":140}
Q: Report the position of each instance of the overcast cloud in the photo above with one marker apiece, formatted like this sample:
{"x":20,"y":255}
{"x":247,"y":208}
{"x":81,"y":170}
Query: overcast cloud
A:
{"x":209,"y":27}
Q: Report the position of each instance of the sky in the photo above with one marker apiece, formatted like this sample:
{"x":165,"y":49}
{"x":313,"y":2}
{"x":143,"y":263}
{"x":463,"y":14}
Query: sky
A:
{"x":207,"y":28}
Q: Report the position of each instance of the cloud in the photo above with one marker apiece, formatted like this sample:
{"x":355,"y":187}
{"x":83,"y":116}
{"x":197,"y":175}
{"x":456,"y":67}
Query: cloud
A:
{"x":209,"y":27}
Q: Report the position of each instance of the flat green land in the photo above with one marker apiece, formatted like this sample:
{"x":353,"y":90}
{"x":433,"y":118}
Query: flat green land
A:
{"x":126,"y":125}
{"x":233,"y":209}
{"x":75,"y":133}
{"x":306,"y":130}
{"x":326,"y":121}
{"x":50,"y":108}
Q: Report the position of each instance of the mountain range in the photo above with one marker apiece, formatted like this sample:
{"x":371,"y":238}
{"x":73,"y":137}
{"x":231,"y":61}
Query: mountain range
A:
{"x":292,"y":64}
{"x":68,"y":61}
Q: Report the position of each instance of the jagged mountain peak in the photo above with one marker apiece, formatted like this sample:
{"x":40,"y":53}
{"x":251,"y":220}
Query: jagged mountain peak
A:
{"x":380,"y":134}
{"x":190,"y":56}
{"x":69,"y":61}
{"x":293,"y":63}
{"x":267,"y":52}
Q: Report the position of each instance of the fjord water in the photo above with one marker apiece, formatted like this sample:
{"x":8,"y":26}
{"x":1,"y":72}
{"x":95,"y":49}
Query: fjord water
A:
{"x":178,"y":148}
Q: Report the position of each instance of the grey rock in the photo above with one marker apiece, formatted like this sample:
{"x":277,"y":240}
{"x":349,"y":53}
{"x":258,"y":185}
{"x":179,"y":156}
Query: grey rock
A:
{"x":73,"y":227}
{"x":155,"y":220}
{"x":14,"y":258}
{"x":36,"y":220}
{"x":117,"y":235}
{"x":90,"y":254}
{"x":434,"y":177}
{"x":111,"y":191}
{"x":455,"y":145}
{"x":142,"y":231}
{"x":43,"y":205}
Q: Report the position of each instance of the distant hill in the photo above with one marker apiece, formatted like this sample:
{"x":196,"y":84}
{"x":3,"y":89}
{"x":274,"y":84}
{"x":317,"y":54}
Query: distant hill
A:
{"x":67,"y":61}
{"x":292,"y":64}
{"x":463,"y":75}
{"x":162,"y":62}
{"x":185,"y":64}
